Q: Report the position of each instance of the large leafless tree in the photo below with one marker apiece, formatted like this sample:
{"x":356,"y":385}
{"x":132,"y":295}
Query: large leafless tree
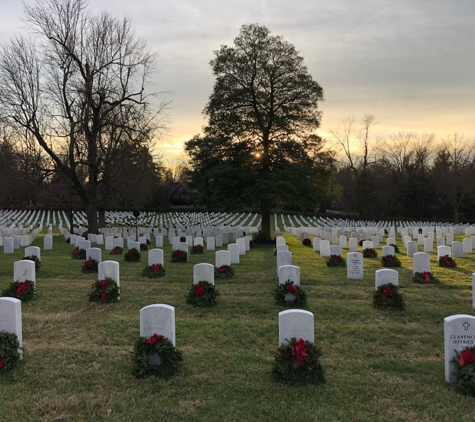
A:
{"x":78,"y":88}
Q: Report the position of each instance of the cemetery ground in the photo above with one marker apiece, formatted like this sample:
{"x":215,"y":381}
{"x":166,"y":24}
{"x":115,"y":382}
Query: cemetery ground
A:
{"x":380,"y":365}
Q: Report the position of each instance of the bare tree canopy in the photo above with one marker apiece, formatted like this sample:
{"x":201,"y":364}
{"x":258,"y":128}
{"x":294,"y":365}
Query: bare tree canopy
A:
{"x":78,"y":89}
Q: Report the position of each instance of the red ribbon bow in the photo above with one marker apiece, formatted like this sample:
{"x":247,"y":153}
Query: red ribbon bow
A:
{"x":466,"y":356}
{"x":291,"y":288}
{"x":223,"y":270}
{"x":103,"y":285}
{"x":2,"y":362}
{"x":155,"y":268}
{"x":425,"y":276}
{"x":153,"y":339}
{"x":299,"y":351}
{"x":389,"y":259}
{"x":21,"y":288}
{"x":199,"y":290}
{"x":387,"y":292}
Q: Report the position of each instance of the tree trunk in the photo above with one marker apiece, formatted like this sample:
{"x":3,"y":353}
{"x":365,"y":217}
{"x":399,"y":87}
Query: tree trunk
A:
{"x":102,"y":217}
{"x":265,"y":210}
{"x":456,"y":213}
{"x":92,"y":226}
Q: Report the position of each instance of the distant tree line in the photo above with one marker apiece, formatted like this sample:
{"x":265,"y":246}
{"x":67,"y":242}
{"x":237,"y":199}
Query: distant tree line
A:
{"x":409,"y":175}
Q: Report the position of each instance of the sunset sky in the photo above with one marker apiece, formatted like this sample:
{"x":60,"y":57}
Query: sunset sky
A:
{"x":411,"y":63}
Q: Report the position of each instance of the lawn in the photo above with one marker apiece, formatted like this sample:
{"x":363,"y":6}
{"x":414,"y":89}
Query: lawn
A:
{"x":380,"y":365}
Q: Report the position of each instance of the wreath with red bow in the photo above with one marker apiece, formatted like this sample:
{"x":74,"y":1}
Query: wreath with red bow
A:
{"x":179,"y":256}
{"x":153,"y":271}
{"x":297,"y":362}
{"x":387,"y":296}
{"x":117,"y":251}
{"x":447,"y":262}
{"x":370,"y":253}
{"x":202,"y":295}
{"x":90,"y":266}
{"x":225,"y":271}
{"x":336,"y":261}
{"x":390,"y":261}
{"x":23,"y":290}
{"x":197,"y":249}
{"x":282,"y":290}
{"x":157,"y":344}
{"x":133,"y":255}
{"x":104,"y":291}
{"x":464,"y":371}
{"x":424,"y":278}
{"x":9,"y":351}
{"x":78,"y":253}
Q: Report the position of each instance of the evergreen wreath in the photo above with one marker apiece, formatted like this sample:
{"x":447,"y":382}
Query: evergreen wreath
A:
{"x":147,"y":242}
{"x":133,"y":255}
{"x":424,"y":278}
{"x":117,"y":251}
{"x":290,"y":288}
{"x":225,"y":271}
{"x":143,"y":247}
{"x":464,"y":371}
{"x":90,"y":266}
{"x":387,"y":296}
{"x":179,"y":256}
{"x":159,"y":345}
{"x":197,"y":249}
{"x":447,"y":262}
{"x":202,"y":295}
{"x":35,"y":259}
{"x":104,"y":291}
{"x":298,"y":363}
{"x":68,"y":240}
{"x":370,"y":253}
{"x":306,"y":242}
{"x":78,"y":253}
{"x":153,"y":271}
{"x":23,"y":290}
{"x":336,"y":261}
{"x":396,"y":247}
{"x":9,"y":351}
{"x":390,"y":261}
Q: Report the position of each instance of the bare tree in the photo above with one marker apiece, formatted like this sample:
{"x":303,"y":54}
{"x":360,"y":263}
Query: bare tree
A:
{"x":353,"y":138}
{"x":453,"y":171}
{"x":79,"y":88}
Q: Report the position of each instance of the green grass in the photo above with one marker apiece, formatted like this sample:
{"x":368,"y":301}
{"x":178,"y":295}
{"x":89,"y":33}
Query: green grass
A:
{"x":380,"y":365}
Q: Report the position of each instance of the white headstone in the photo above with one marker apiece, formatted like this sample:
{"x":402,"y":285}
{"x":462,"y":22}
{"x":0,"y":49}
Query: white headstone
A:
{"x":33,"y":251}
{"x":157,"y":319}
{"x":48,"y":243}
{"x":233,"y":248}
{"x":283,"y":258}
{"x":223,"y":258}
{"x":325,"y":248}
{"x":335,"y":250}
{"x":109,"y":269}
{"x":210,"y":244}
{"x":354,"y":266}
{"x":159,"y":241}
{"x":94,"y":253}
{"x":411,"y":249}
{"x":24,"y":270}
{"x":459,"y":333}
{"x":296,"y":323}
{"x":242,"y":245}
{"x":444,"y":250}
{"x":8,"y":245}
{"x":385,"y":276}
{"x":428,"y":245}
{"x":219,"y":241}
{"x":457,"y":249}
{"x":84,"y":244}
{"x":155,"y":256}
{"x":421,"y":262}
{"x":353,"y":244}
{"x":109,"y":243}
{"x":467,"y":245}
{"x":316,"y":244}
{"x":10,"y":317}
{"x":388,"y":250}
{"x":203,"y":272}
{"x":118,"y":242}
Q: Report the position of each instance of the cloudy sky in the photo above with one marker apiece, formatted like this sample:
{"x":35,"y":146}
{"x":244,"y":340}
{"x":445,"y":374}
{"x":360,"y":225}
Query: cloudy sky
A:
{"x":411,"y":63}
